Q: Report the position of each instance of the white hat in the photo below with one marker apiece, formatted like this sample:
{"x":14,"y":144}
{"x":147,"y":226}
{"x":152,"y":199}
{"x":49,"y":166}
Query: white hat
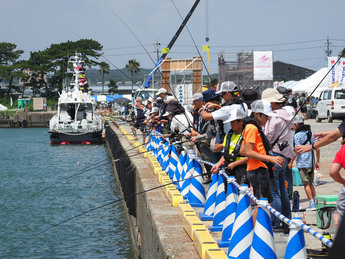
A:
{"x":197,"y":96}
{"x":161,"y":91}
{"x":150,"y":99}
{"x":298,"y":119}
{"x":236,"y":114}
{"x":169,"y":98}
{"x":228,"y":86}
{"x":262,"y":106}
{"x":154,"y":109}
{"x":272,"y":95}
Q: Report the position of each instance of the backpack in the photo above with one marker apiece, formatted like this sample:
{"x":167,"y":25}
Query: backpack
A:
{"x":250,"y":120}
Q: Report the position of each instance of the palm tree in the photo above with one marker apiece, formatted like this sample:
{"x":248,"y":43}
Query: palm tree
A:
{"x":112,"y":86}
{"x":104,"y":69}
{"x":133,"y":68}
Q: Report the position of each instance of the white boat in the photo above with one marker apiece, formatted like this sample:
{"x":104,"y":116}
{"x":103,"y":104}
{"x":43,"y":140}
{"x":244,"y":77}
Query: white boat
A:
{"x":76,"y":121}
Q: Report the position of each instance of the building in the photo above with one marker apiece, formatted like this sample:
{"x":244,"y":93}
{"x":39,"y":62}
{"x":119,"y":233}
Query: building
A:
{"x":286,"y":72}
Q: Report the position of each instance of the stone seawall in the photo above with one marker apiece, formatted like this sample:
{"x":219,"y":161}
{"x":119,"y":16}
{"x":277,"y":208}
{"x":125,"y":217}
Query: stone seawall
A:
{"x":156,"y":228}
{"x":27,"y":120}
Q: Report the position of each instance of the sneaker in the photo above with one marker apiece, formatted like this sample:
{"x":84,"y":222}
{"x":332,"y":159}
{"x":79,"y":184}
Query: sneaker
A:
{"x":311,"y":207}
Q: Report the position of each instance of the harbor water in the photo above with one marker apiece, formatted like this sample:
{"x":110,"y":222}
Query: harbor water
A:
{"x":44,"y":192}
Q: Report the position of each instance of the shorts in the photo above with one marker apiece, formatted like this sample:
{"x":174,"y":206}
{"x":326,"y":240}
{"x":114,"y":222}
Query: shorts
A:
{"x":260,"y":181}
{"x":139,"y":124}
{"x":304,"y":109}
{"x":307,"y":175}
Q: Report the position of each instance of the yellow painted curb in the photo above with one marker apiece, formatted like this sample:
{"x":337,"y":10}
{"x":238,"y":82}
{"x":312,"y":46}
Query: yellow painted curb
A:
{"x":164,"y":179}
{"x":215,"y":254}
{"x":203,"y":241}
{"x":192,"y":222}
{"x":175,"y":197}
{"x":185,"y":208}
{"x":169,"y":187}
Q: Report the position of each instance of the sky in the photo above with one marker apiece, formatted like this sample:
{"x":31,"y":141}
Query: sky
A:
{"x":296,"y":31}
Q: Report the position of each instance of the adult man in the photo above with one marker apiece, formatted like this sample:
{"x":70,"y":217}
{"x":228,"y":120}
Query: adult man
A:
{"x":278,"y":135}
{"x":230,"y":94}
{"x":140,"y":117}
{"x":163,"y":120}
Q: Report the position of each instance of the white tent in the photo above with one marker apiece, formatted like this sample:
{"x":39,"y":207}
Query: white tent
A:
{"x":309,"y":84}
{"x":3,"y":108}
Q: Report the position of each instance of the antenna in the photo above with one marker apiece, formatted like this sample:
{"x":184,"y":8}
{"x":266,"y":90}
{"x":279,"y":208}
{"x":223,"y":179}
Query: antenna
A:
{"x":328,"y":51}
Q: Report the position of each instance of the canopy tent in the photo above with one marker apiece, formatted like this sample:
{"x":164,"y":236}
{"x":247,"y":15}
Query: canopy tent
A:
{"x":309,"y":84}
{"x":290,"y":84}
{"x":106,"y":98}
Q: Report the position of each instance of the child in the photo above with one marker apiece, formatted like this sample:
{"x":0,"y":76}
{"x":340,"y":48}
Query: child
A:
{"x":305,"y":162}
{"x":255,"y":146}
{"x":235,"y":163}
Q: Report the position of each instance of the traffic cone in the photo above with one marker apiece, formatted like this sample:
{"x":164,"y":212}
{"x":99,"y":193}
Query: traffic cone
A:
{"x":263,"y":240}
{"x":230,"y":213}
{"x":165,"y":156}
{"x":210,"y":200}
{"x":178,"y":172}
{"x":296,"y":244}
{"x":196,"y":194}
{"x":242,"y":231}
{"x":183,"y":166}
{"x":219,"y":211}
{"x":173,"y":162}
{"x":189,"y":173}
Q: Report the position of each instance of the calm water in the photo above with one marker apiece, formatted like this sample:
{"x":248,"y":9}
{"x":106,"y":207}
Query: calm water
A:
{"x":28,"y":163}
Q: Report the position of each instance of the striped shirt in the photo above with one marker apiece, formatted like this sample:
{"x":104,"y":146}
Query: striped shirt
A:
{"x":304,"y":160}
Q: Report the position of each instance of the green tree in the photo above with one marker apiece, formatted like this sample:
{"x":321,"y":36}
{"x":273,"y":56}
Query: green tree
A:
{"x":133,"y":68}
{"x":9,"y":63}
{"x":48,"y":69}
{"x":112,"y":87}
{"x":104,"y":69}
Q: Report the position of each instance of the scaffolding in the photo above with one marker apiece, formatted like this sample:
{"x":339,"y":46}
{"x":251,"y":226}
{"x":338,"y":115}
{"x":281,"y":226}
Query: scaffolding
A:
{"x":239,"y":68}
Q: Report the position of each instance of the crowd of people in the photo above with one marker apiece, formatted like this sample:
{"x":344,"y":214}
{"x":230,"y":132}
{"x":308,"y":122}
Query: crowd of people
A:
{"x":255,"y":138}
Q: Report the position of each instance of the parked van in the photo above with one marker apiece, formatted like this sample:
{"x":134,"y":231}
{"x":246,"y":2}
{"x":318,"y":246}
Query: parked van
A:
{"x":331,"y":105}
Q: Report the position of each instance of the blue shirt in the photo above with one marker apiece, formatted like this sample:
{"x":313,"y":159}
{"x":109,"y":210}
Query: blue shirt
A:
{"x":304,"y":160}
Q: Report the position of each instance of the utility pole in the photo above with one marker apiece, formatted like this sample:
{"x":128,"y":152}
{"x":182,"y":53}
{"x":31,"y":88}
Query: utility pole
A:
{"x":157,"y":44}
{"x":328,"y":51}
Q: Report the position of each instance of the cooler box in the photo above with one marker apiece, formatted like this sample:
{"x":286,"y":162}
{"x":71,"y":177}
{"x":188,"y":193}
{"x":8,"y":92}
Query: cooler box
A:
{"x":326,"y":211}
{"x":296,"y":178}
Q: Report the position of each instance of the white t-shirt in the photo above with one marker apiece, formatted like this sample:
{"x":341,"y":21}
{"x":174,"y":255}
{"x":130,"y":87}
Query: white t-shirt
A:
{"x":224,"y":112}
{"x":180,"y":121}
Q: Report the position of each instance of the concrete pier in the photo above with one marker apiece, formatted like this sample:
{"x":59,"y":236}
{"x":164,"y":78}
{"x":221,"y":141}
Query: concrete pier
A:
{"x":157,"y":229}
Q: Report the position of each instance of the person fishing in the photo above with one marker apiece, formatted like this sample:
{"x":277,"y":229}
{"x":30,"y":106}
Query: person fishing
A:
{"x":234,"y":163}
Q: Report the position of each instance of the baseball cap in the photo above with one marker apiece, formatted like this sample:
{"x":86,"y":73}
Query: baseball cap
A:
{"x":236,"y":114}
{"x":272,"y":95}
{"x":197,"y":96}
{"x":161,"y":91}
{"x":262,"y":106}
{"x":298,"y":119}
{"x":228,"y":86}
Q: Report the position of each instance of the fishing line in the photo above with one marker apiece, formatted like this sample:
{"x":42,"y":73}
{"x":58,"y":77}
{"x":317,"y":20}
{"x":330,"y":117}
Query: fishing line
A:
{"x":98,"y":207}
{"x":307,"y":99}
{"x":170,"y":45}
{"x":190,"y":34}
{"x":95,"y":165}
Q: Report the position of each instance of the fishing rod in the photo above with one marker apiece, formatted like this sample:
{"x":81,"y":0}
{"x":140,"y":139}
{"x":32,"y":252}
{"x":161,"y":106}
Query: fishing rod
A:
{"x":163,"y":56}
{"x":190,"y":34}
{"x":307,"y":99}
{"x":95,"y":165}
{"x":30,"y":238}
